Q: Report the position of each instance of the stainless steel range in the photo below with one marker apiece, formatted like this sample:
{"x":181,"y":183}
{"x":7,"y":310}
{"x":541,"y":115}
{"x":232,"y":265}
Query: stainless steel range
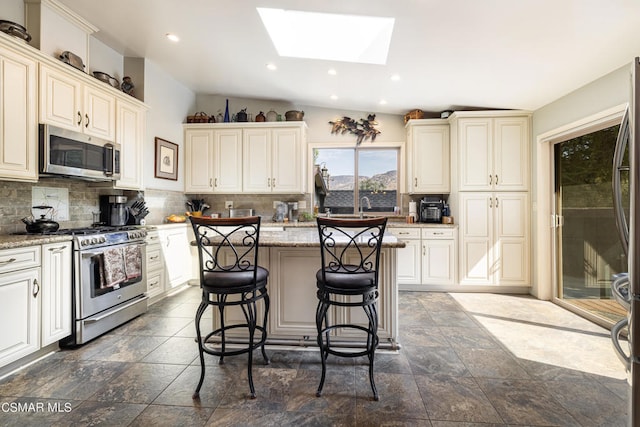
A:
{"x":109,"y":283}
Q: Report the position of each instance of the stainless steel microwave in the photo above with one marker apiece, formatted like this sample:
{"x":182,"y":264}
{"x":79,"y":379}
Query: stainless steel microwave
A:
{"x":75,"y":154}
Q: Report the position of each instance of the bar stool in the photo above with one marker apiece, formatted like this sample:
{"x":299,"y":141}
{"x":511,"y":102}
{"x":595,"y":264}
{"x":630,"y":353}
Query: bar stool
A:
{"x":228,"y":255}
{"x":350,"y":256}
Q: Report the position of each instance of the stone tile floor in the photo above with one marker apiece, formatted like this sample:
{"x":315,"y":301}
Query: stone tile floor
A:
{"x":466,"y":360}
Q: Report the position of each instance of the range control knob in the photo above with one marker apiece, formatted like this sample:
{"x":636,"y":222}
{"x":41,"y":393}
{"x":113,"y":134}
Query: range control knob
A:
{"x":102,"y":239}
{"x":83,"y":243}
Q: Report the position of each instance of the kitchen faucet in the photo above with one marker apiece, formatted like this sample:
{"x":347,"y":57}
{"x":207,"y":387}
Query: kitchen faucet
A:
{"x":365,"y":199}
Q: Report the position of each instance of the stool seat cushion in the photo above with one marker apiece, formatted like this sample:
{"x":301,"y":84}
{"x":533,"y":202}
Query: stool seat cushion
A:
{"x":235,"y":278}
{"x":347,"y":278}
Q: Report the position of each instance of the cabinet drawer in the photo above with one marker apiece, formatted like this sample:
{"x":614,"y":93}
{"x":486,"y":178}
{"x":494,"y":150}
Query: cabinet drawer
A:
{"x":154,"y":257}
{"x":155,"y":283}
{"x":406,"y":233}
{"x":19,"y":258}
{"x":438,"y":233}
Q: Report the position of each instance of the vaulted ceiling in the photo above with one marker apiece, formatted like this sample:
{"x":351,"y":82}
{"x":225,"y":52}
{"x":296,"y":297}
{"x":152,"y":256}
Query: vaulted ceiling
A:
{"x":448,"y":55}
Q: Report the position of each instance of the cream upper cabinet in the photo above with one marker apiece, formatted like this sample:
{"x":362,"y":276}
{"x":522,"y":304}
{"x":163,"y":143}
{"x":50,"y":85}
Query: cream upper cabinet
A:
{"x":213,"y":160}
{"x":428,"y":160}
{"x":56,"y":292}
{"x":18,"y":116}
{"x":248,"y":158}
{"x":198,"y":159}
{"x":68,"y":102}
{"x":130,"y":134}
{"x":227,"y":160}
{"x":493,"y":153}
{"x":273,"y":161}
{"x":287,"y":156}
{"x":494,"y":238}
{"x":256,"y":165}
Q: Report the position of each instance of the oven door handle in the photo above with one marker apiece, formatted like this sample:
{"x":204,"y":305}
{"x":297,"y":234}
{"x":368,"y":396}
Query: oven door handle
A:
{"x":123,"y":307}
{"x":91,"y":254}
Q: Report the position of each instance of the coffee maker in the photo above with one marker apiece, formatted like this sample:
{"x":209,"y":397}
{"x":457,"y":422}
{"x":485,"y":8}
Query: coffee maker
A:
{"x":114,"y":210}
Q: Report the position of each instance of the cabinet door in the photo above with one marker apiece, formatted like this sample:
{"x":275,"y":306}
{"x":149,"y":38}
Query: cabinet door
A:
{"x":19,"y":308}
{"x":18,"y":117}
{"x":99,"y":113}
{"x":476,"y":238}
{"x":287,"y":161}
{"x":430,"y":159}
{"x":438,"y":266}
{"x":256,"y":165}
{"x":475,"y":154}
{"x":56,"y":292}
{"x":177,"y":255}
{"x":511,"y":250}
{"x":292,"y":285}
{"x":227,"y":160}
{"x":199,"y":157}
{"x":60,"y":99}
{"x":409,"y":263}
{"x":511,"y":154}
{"x":130,"y":130}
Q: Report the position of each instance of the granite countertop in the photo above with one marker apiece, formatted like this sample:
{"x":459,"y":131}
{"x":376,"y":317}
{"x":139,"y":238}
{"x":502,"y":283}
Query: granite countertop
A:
{"x":390,"y":224}
{"x":10,"y":241}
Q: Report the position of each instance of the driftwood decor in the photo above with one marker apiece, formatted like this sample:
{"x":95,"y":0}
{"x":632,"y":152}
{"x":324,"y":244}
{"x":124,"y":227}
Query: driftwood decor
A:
{"x":363,"y":129}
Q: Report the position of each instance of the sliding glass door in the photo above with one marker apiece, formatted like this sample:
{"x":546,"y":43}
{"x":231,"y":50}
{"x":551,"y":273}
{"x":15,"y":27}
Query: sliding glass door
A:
{"x":588,"y":247}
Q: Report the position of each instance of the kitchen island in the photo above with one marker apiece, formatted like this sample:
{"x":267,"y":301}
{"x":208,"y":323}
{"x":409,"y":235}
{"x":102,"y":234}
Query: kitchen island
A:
{"x":292,"y":257}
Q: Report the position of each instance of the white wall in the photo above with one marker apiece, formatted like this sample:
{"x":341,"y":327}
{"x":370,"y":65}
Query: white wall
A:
{"x":603,"y":94}
{"x":13,"y":10}
{"x":391,"y":126}
{"x":170,"y":102}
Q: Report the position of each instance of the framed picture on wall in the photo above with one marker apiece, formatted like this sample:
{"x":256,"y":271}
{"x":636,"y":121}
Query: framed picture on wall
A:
{"x":166,"y":159}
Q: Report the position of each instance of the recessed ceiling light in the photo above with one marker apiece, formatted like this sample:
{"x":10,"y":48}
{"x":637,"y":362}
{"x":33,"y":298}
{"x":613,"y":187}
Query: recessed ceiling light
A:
{"x":351,"y":38}
{"x":332,"y":71}
{"x":271,"y":66}
{"x":383,"y":102}
{"x":395,"y":77}
{"x":173,"y":37}
{"x":334,"y":97}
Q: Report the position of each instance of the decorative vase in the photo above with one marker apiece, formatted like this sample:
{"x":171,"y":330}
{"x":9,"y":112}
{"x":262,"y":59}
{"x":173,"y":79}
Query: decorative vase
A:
{"x":227,"y":119}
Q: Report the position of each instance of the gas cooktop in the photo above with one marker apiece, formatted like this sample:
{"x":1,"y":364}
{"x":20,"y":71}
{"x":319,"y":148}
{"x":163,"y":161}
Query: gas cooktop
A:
{"x":99,"y":229}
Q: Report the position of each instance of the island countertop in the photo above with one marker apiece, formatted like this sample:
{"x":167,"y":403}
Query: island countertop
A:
{"x":308,"y":238}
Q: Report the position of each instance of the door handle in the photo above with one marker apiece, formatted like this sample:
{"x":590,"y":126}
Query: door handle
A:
{"x":497,"y":201}
{"x":268,"y":182}
{"x":490,"y":202}
{"x":416,"y":182}
{"x":79,"y":118}
{"x":496,"y":179}
{"x":215,"y":182}
{"x":9,"y":261}
{"x":273,"y":182}
{"x":490,"y":179}
{"x":36,"y":288}
{"x":86,"y":117}
{"x":58,"y":249}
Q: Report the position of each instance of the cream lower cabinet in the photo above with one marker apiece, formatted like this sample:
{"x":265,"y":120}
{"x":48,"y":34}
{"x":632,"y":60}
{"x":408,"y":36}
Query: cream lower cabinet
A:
{"x":18,"y":116}
{"x":19,"y":303}
{"x":154,"y":266}
{"x":176,"y":253}
{"x":213,"y":159}
{"x":56,"y":289}
{"x":292,"y":287}
{"x":494,"y":239}
{"x":428,"y":259}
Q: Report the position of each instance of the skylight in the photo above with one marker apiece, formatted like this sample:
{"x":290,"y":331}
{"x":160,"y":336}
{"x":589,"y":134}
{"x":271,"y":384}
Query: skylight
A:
{"x":330,"y":36}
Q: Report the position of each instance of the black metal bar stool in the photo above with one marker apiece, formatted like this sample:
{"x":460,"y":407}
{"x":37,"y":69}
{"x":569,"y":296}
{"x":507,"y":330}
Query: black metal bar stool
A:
{"x":228,"y":253}
{"x":350,"y":253}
